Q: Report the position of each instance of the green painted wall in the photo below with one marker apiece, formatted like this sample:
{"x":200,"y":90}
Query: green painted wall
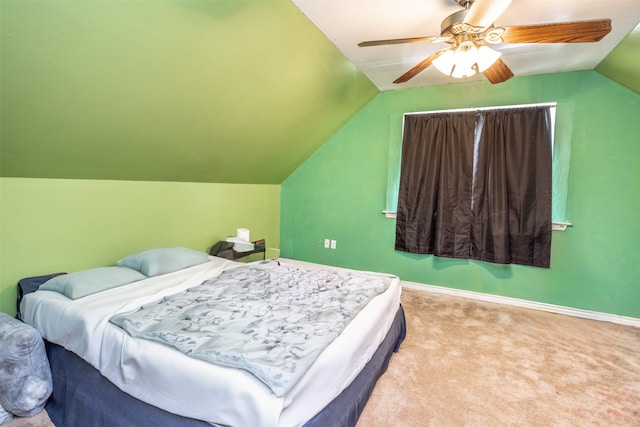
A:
{"x":340,"y":191}
{"x":168,"y":90}
{"x":623,"y":63}
{"x":50,"y":225}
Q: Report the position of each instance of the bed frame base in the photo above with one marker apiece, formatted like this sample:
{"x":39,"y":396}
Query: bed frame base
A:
{"x":83,"y":397}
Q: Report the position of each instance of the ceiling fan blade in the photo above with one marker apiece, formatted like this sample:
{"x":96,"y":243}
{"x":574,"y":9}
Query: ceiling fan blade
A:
{"x":399,"y":41}
{"x":419,"y":67}
{"x":561,"y":32}
{"x":483,"y":13}
{"x":499,"y":72}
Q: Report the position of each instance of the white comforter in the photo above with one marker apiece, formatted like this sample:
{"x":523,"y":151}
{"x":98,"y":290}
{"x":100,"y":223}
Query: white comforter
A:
{"x":166,"y":378}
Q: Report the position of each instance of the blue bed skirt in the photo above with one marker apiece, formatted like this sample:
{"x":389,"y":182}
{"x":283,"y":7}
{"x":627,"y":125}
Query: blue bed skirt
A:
{"x":82,"y":397}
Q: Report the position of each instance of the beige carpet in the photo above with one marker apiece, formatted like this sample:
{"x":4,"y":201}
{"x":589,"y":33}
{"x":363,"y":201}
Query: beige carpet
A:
{"x":470,"y":363}
{"x":40,"y":420}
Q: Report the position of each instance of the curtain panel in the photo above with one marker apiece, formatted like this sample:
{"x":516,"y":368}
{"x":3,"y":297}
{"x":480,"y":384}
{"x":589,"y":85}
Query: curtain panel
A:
{"x":435,"y":184}
{"x":477,"y":185}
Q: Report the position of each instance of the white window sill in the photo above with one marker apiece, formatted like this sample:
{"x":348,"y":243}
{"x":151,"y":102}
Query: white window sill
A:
{"x":560,"y":226}
{"x":555,"y":226}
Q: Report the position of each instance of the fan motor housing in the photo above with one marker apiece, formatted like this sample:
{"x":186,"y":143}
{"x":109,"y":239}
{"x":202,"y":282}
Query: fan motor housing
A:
{"x":453,"y":24}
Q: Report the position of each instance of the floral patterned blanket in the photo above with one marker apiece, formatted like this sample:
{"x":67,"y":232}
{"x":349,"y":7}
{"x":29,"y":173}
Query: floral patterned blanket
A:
{"x":269,"y":319}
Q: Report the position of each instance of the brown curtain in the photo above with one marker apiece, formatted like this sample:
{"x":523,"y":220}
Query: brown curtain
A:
{"x":477,"y":185}
{"x":435,"y":184}
{"x":512,"y":188}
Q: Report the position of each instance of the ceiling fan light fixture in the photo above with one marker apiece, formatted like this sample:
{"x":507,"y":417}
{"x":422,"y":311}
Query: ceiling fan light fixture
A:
{"x":445,"y":62}
{"x":486,"y":57}
{"x":459,"y":61}
{"x":465,"y":60}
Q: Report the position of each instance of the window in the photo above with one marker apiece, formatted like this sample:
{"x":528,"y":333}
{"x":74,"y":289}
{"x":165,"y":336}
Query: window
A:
{"x":477,"y":184}
{"x":561,"y":140}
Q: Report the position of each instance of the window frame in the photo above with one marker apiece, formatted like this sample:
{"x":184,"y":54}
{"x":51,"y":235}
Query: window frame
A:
{"x":560,"y":161}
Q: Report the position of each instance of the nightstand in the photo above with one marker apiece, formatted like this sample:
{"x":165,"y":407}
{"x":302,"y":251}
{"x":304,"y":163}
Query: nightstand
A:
{"x":224,"y":249}
{"x":259,"y":246}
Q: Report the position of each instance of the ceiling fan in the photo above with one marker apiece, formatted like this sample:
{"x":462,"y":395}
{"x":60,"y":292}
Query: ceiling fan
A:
{"x":470,"y":31}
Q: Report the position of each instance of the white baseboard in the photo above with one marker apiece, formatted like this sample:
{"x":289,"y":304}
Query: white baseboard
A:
{"x":569,"y":311}
{"x":515,"y":302}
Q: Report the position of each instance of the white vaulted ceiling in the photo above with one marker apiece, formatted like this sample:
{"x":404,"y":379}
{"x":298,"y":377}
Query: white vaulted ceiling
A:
{"x":348,"y":22}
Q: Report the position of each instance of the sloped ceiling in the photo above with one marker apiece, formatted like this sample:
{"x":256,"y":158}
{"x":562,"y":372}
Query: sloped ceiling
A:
{"x":174,"y":90}
{"x":348,"y":22}
{"x":202,"y":91}
{"x":623,"y":63}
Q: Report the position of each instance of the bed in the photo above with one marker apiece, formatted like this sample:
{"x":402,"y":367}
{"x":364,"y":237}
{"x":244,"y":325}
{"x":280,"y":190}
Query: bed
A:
{"x":107,"y":372}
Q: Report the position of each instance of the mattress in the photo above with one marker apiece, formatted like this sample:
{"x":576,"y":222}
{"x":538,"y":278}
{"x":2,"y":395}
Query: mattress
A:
{"x":165,"y":378}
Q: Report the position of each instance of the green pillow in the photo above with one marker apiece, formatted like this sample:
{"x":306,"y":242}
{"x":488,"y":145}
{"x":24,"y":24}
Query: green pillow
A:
{"x":163,"y":260}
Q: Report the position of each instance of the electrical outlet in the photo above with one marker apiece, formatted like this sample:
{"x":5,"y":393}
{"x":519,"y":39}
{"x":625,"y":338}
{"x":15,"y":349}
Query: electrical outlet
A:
{"x":333,"y":244}
{"x":326,"y":243}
